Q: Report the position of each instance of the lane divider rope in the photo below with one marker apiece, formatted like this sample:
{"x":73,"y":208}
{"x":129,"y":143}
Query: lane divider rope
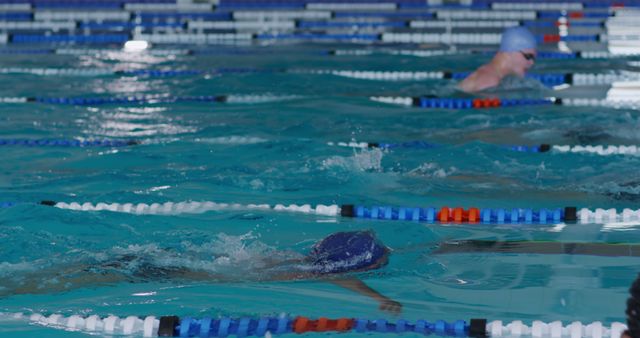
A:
{"x":66,"y":143}
{"x":492,"y":216}
{"x":150,"y":99}
{"x":330,"y":52}
{"x":458,"y":103}
{"x":549,"y":79}
{"x":435,"y":53}
{"x":171,"y":208}
{"x":603,"y":150}
{"x":431,"y":215}
{"x":422,"y":102}
{"x":174,"y":326}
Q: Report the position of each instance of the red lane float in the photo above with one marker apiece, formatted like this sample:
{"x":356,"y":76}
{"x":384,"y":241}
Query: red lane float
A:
{"x":458,"y":215}
{"x":322,"y":324}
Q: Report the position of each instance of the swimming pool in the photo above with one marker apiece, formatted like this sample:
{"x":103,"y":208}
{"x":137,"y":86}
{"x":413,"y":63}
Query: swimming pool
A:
{"x":262,"y":125}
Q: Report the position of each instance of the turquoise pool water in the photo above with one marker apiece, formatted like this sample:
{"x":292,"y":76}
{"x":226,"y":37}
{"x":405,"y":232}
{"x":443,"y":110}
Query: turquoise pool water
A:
{"x":277,"y":152}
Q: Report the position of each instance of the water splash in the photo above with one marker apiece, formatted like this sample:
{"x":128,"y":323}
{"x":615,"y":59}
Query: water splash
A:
{"x":232,"y":140}
{"x":362,"y":160}
{"x":431,"y":169}
{"x":224,"y":258}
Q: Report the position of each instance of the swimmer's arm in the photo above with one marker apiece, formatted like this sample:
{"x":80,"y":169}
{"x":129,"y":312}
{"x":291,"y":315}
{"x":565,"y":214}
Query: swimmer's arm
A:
{"x":468,"y":85}
{"x":53,"y":281}
{"x":358,"y":286}
{"x":539,"y":247}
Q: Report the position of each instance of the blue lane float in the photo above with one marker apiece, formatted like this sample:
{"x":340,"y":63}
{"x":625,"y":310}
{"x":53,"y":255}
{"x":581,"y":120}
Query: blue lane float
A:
{"x":173,"y":326}
{"x":152,"y":99}
{"x":405,"y":145}
{"x":87,"y":39}
{"x":83,"y":101}
{"x":161,"y":73}
{"x":421,"y":5}
{"x":324,"y":24}
{"x":388,"y":15}
{"x":129,"y":25}
{"x":27,"y":51}
{"x":57,"y":5}
{"x":186,"y":16}
{"x":588,"y":15}
{"x":27,"y":16}
{"x":430,"y":102}
{"x":66,"y":143}
{"x":445,"y":215}
{"x":558,"y":55}
{"x":262,"y":6}
{"x":543,"y":148}
{"x":318,"y":36}
{"x":455,"y":103}
{"x":554,"y":24}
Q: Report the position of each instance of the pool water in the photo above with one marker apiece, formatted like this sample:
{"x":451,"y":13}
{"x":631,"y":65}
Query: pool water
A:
{"x":277,"y":151}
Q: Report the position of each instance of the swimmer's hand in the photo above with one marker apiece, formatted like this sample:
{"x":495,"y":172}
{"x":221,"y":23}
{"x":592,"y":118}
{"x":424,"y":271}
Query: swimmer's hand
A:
{"x":386,"y":304}
{"x":390,"y":305}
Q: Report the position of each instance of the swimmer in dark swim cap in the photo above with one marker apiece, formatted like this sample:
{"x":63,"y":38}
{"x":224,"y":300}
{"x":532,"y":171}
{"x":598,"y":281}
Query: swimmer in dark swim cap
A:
{"x":331,"y":259}
{"x":348,"y":252}
{"x":353,"y":251}
{"x":516,"y":55}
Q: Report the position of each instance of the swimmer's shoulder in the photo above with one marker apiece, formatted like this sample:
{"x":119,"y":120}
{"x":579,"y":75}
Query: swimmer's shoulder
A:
{"x":484,"y":77}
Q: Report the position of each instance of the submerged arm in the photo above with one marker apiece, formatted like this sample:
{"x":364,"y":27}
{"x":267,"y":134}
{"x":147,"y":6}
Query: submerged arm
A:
{"x":82,"y":275}
{"x":358,"y":286}
{"x":56,"y":280}
{"x":539,"y":247}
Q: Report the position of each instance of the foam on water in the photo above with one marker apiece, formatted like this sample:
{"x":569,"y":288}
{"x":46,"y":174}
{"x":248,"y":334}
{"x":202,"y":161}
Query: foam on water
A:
{"x":224,"y":257}
{"x":125,"y":129}
{"x":432,"y":170}
{"x":229,"y":256}
{"x":361,"y":160}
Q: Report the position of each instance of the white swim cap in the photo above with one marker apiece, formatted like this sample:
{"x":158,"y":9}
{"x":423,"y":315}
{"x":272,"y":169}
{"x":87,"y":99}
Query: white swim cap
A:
{"x":516,"y":39}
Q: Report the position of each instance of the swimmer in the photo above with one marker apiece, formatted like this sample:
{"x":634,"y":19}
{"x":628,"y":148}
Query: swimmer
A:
{"x":516,"y":55}
{"x":332,"y":259}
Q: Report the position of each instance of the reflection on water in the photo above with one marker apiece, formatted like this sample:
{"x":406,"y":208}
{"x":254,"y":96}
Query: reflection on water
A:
{"x":125,"y":85}
{"x":119,"y":122}
{"x":124,"y":60}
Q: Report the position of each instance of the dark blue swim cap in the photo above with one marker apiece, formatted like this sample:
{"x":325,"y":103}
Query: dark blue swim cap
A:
{"x":346,"y":251}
